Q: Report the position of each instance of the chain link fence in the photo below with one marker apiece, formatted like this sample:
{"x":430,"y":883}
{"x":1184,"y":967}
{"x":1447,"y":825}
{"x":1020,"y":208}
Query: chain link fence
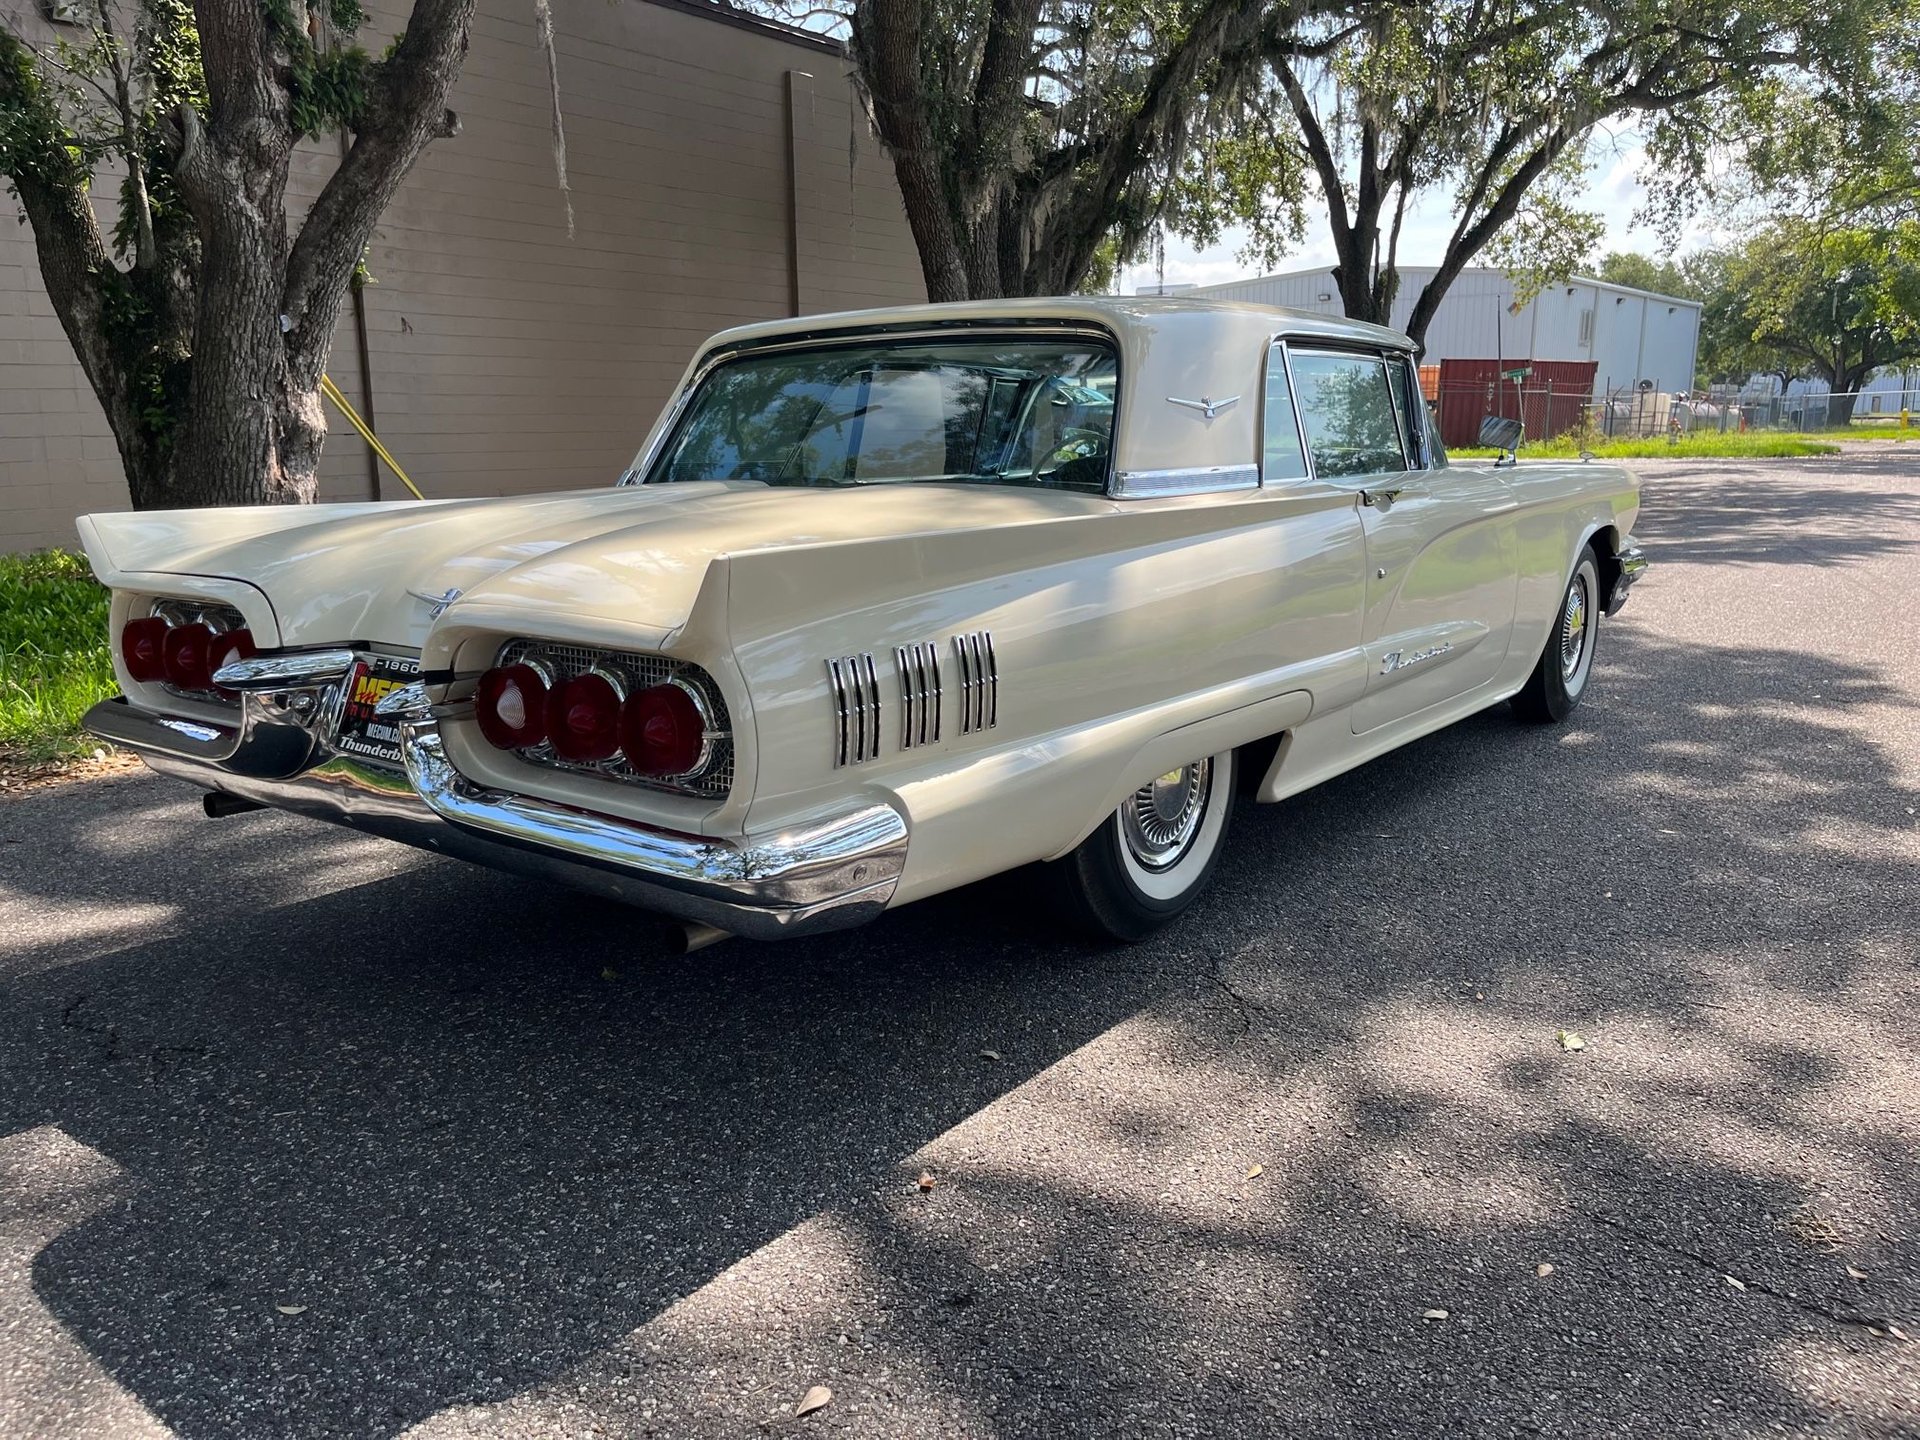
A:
{"x":1635,"y":413}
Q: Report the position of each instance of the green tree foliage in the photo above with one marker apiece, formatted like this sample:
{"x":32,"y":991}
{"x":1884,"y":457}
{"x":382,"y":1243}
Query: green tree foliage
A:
{"x":201,"y":318}
{"x":1551,"y":234}
{"x":1802,"y":299}
{"x":1027,"y":134}
{"x":1811,"y":143}
{"x":1494,"y":104}
{"x":1825,"y":188}
{"x":1643,"y":272}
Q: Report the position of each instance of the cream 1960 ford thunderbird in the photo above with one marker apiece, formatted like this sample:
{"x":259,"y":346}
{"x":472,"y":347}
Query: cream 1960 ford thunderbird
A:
{"x":888,"y":602}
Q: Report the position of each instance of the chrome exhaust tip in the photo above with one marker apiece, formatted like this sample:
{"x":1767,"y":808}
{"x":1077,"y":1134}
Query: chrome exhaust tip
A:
{"x":695,"y":936}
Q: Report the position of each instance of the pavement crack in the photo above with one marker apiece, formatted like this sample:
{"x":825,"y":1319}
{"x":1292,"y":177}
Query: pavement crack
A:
{"x":1761,"y":1287}
{"x":160,"y":1061}
{"x":1214,"y":973}
{"x":73,"y":1017}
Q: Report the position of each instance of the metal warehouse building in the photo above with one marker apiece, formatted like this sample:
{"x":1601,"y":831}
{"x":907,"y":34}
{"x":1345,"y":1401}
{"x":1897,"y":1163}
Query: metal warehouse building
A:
{"x":1637,"y":341}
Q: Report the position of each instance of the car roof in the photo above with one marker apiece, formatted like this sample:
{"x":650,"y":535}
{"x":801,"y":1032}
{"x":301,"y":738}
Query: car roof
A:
{"x":1133,"y":317}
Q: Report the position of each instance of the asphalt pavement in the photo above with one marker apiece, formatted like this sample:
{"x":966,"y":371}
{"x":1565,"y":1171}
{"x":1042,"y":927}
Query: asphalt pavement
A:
{"x":304,"y":1135}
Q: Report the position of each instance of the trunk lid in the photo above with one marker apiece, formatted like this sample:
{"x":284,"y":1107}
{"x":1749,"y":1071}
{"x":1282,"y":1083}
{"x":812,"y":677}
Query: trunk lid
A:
{"x":636,"y":554}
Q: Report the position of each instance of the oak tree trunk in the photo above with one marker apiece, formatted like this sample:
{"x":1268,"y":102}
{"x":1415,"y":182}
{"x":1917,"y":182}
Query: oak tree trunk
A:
{"x":207,"y":350}
{"x":995,"y":209}
{"x":247,"y":437}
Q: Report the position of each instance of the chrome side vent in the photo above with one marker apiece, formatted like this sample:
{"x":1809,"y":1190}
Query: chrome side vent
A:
{"x":919,"y":694}
{"x":979,"y":681}
{"x":856,"y":705}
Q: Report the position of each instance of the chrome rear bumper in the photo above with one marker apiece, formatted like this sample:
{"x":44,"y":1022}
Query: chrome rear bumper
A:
{"x":1633,"y":564}
{"x":825,"y":876}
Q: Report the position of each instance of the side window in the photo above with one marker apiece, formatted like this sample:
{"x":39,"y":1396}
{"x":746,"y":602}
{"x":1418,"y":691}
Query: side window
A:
{"x":1281,"y":457}
{"x":1436,"y":452}
{"x":1347,"y":412}
{"x":1406,"y":396}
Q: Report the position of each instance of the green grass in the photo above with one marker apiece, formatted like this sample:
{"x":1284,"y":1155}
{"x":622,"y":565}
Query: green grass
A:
{"x":1752,"y":445}
{"x":54,"y":660}
{"x":1880,"y":430}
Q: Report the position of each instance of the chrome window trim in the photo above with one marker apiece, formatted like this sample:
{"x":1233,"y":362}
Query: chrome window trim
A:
{"x":1190,"y":480}
{"x":1280,"y":344}
{"x":1299,"y":420}
{"x":1412,"y":438}
{"x":640,"y":472}
{"x":1436,"y":451}
{"x":1338,"y":353}
{"x":1398,"y":405}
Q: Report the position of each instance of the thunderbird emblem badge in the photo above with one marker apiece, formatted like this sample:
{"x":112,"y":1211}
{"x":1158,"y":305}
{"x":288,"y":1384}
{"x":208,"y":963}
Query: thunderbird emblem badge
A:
{"x":436,"y":604}
{"x":1207,"y":407}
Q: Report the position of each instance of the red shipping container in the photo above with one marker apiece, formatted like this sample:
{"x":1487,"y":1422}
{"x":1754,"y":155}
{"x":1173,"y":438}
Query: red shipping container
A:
{"x":1549,"y":400}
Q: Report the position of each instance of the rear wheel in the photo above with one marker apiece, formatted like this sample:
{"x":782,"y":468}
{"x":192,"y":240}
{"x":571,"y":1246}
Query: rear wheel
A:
{"x":1149,"y":860}
{"x":1566,"y":664}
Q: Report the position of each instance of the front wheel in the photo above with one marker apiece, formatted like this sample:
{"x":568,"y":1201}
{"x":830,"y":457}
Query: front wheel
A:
{"x":1149,"y":860}
{"x":1566,"y":664}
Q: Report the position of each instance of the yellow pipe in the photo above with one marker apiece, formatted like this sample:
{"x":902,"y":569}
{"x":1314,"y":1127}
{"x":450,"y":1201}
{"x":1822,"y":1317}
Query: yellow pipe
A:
{"x":332,"y":392}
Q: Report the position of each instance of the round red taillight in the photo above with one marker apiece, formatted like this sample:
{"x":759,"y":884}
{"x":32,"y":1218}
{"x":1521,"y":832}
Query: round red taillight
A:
{"x":142,"y":649}
{"x":663,"y":731}
{"x":583,"y":719}
{"x":227,"y":647}
{"x":511,"y":706}
{"x":187,"y":654}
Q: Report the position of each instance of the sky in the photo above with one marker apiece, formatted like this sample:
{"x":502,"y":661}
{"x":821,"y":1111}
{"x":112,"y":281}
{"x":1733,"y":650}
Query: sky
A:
{"x":1615,"y":192}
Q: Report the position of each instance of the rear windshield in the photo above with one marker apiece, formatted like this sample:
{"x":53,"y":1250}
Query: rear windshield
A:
{"x":1003,"y":411}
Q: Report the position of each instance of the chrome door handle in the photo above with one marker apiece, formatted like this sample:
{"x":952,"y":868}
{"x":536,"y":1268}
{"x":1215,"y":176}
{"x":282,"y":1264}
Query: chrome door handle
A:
{"x":1381,"y":496}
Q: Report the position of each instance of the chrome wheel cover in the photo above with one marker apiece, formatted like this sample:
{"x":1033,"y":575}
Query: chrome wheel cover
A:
{"x":1159,"y":820}
{"x":1577,"y":632}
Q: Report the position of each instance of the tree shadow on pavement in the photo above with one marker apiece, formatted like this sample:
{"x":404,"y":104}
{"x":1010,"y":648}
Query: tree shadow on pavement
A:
{"x":485,"y":1131}
{"x":1727,"y":513}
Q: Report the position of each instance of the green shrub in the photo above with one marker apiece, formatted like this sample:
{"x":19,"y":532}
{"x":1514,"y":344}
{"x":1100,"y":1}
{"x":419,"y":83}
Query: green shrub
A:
{"x":54,"y":656}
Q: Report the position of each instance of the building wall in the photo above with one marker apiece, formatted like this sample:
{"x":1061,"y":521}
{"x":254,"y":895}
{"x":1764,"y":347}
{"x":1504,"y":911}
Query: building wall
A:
{"x":1631,"y":335}
{"x":57,"y":457}
{"x":721,"y":173}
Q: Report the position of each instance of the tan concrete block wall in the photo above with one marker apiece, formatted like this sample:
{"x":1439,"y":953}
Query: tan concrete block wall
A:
{"x":57,"y":457}
{"x":709,"y":189}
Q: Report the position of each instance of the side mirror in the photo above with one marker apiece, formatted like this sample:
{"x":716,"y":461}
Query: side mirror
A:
{"x":1497,"y":432}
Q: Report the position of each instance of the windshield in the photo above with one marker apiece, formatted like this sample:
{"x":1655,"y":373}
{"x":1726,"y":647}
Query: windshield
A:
{"x":1005,"y":411}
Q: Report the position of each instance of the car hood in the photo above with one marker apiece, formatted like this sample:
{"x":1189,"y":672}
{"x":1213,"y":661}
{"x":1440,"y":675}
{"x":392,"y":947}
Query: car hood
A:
{"x":635,"y":554}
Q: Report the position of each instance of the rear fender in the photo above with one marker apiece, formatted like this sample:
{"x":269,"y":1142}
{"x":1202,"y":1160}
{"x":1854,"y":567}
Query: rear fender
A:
{"x":132,"y":585}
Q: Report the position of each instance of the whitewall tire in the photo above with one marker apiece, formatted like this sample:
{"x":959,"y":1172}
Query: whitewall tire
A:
{"x":1566,"y":662}
{"x":1153,"y":856}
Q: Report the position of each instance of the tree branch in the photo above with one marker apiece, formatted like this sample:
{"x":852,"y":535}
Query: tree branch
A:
{"x":406,"y":110}
{"x":37,"y":155}
{"x":886,"y":42}
{"x":236,"y":58}
{"x":1225,"y":40}
{"x":1319,"y":152}
{"x":131,"y":150}
{"x":1471,"y":235}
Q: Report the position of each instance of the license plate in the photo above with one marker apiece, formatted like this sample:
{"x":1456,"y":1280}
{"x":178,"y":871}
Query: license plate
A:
{"x":361,"y":732}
